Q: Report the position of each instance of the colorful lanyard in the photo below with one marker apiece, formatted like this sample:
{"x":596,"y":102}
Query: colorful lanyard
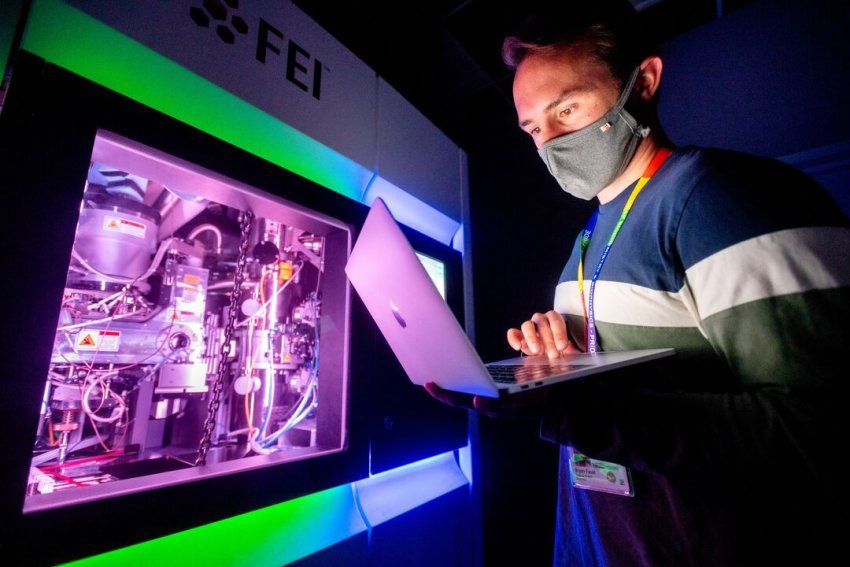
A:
{"x":591,"y":342}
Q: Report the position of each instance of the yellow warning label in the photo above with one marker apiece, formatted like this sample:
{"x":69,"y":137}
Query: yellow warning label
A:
{"x":88,"y":340}
{"x":285,"y":272}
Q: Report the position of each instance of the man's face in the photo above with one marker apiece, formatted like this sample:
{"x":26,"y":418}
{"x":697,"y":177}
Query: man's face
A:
{"x":561,"y":92}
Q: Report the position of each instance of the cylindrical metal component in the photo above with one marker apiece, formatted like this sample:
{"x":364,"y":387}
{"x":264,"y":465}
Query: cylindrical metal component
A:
{"x":66,"y":398}
{"x":63,"y":447}
{"x":67,"y":424}
{"x":116,"y":236}
{"x":44,"y":415}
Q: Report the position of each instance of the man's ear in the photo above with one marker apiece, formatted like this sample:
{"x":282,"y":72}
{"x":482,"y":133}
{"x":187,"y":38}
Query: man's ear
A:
{"x":649,"y":78}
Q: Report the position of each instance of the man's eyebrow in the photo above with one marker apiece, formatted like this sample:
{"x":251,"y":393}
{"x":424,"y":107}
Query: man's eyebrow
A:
{"x":565,"y":94}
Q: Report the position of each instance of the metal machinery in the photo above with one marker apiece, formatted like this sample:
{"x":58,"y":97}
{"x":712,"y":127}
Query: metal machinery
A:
{"x":190,"y":332}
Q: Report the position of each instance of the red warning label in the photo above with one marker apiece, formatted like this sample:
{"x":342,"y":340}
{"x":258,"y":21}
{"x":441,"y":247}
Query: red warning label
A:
{"x":124,"y":226}
{"x":102,"y":341}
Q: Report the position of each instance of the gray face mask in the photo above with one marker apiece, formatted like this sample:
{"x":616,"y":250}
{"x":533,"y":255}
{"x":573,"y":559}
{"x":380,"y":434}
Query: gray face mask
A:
{"x":586,"y":161}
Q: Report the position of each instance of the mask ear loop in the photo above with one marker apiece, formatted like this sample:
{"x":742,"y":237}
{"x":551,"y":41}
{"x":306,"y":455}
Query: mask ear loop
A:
{"x":638,"y":129}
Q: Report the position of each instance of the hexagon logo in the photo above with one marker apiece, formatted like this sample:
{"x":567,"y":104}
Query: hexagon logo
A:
{"x":215,"y":13}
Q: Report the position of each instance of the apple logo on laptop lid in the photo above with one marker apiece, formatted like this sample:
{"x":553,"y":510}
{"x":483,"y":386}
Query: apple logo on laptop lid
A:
{"x":398,"y":316}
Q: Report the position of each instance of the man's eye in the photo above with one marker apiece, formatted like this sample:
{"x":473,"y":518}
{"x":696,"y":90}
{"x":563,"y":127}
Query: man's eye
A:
{"x":565,"y":112}
{"x":535,"y":131}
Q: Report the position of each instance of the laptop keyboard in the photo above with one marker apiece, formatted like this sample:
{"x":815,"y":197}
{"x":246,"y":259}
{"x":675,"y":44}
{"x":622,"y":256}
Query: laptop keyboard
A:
{"x":512,"y":373}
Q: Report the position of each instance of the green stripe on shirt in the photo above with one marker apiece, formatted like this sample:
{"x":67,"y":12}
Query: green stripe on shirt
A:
{"x":792,"y":339}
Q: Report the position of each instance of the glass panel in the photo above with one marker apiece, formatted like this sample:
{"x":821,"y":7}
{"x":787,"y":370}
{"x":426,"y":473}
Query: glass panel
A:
{"x":142,"y":322}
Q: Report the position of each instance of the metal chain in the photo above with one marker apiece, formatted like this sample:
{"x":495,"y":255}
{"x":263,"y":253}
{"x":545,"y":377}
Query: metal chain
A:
{"x":245,"y":220}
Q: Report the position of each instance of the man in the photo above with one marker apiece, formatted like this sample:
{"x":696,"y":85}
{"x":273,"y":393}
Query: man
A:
{"x":734,"y":450}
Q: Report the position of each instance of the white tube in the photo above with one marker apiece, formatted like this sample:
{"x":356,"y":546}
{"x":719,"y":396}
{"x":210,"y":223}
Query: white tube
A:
{"x":106,"y":300}
{"x":265,"y":305}
{"x":256,"y":447}
{"x":95,"y":322}
{"x":163,"y":248}
{"x":298,"y":415}
{"x":116,"y":413}
{"x":93,"y":270}
{"x":228,"y":285}
{"x":236,"y":432}
{"x":207,"y":228}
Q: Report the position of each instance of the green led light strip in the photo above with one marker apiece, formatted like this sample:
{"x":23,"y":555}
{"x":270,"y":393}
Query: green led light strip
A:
{"x":283,"y":533}
{"x":83,"y":45}
{"x":273,"y":536}
{"x":10,"y":10}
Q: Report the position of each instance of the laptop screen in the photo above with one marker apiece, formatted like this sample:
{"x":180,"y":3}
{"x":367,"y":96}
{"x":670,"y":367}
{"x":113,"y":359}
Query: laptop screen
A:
{"x":436,"y":270}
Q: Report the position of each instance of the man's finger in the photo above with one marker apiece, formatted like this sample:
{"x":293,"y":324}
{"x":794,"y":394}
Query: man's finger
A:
{"x":515,"y":338}
{"x":517,"y":342}
{"x":443,"y":395}
{"x":545,"y":332}
{"x":559,"y":330}
{"x":529,"y":331}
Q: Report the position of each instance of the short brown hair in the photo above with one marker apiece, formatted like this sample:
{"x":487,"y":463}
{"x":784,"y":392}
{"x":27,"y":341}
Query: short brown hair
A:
{"x":610,"y":29}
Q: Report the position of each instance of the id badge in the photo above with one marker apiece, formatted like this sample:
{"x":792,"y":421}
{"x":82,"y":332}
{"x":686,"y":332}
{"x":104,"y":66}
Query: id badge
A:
{"x":602,"y":476}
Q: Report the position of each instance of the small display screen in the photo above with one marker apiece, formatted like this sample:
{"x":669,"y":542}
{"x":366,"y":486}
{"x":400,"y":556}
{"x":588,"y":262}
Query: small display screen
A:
{"x":437,"y":270}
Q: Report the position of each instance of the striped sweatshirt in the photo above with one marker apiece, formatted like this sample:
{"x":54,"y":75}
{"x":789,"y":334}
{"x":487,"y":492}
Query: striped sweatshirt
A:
{"x":736,"y":445}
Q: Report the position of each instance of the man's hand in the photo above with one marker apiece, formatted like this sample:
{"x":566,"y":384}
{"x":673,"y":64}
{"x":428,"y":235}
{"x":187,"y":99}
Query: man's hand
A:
{"x":528,"y":405}
{"x":543,"y":333}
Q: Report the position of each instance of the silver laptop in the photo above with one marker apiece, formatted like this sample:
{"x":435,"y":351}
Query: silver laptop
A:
{"x":424,"y":334}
